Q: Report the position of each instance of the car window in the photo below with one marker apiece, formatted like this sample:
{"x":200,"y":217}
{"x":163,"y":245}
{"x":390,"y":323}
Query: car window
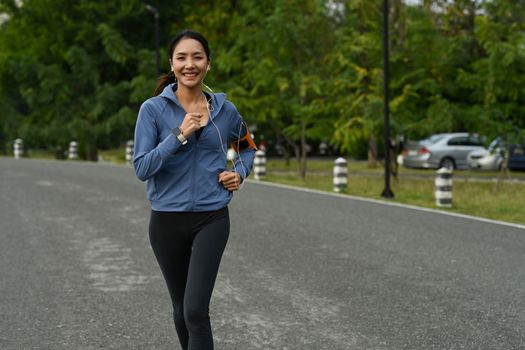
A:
{"x":431,"y":140}
{"x":494,"y":144}
{"x":517,"y":150}
{"x":458,"y":141}
{"x":474,"y":141}
{"x":497,"y":143}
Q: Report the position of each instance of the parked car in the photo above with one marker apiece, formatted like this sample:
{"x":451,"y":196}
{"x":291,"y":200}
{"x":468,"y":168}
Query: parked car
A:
{"x":442,"y":150}
{"x":517,"y":157}
{"x":487,"y":159}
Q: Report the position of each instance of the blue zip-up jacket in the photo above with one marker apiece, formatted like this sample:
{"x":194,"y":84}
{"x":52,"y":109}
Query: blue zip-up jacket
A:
{"x":181,"y":177}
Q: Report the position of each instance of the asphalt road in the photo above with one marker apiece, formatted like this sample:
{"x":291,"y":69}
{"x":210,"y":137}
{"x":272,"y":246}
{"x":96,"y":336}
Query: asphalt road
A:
{"x":301,"y":270}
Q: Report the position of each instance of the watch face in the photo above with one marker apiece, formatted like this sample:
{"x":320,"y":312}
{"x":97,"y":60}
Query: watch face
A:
{"x":176,"y":131}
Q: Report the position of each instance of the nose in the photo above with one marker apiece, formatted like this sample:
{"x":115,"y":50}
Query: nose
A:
{"x":190,"y":64}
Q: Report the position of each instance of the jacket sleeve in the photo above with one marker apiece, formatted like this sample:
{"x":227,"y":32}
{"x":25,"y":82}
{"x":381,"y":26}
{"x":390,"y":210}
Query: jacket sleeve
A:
{"x":242,"y":142}
{"x":150,"y":156}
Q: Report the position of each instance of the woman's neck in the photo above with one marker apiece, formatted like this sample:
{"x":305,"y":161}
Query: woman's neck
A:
{"x":189,"y":96}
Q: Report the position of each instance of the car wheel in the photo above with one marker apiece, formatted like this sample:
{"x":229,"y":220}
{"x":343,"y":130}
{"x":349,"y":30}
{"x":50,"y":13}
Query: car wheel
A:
{"x":447,"y":163}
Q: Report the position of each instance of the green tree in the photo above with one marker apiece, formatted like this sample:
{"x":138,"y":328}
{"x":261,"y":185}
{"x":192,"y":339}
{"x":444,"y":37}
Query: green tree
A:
{"x":355,"y":87}
{"x":284,"y":52}
{"x":496,"y":78}
{"x":75,"y":70}
{"x":300,"y":70}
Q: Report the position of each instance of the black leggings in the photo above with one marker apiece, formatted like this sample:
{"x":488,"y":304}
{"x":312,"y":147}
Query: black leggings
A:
{"x":189,"y":247}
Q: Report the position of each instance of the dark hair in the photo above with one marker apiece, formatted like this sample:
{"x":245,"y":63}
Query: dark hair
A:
{"x":169,"y":78}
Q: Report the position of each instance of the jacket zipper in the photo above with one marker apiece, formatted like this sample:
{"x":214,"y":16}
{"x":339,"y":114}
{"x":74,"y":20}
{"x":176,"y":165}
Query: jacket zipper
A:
{"x":194,"y":179}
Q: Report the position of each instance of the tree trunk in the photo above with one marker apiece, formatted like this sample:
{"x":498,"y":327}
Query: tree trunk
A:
{"x":286,"y":156}
{"x":393,"y":161}
{"x":296,"y":150}
{"x":302,"y":161}
{"x":372,"y":151}
{"x":92,"y":152}
{"x":503,"y":172}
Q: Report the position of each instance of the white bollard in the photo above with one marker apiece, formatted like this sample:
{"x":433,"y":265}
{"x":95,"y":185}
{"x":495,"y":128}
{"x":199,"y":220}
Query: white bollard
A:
{"x":340,"y":174}
{"x":323,"y":148}
{"x":73,"y":150}
{"x":18,"y":148}
{"x":444,"y":187}
{"x":259,"y":165}
{"x":129,"y":151}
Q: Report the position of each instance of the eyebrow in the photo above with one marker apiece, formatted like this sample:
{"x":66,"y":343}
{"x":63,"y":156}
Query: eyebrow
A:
{"x":182,"y":53}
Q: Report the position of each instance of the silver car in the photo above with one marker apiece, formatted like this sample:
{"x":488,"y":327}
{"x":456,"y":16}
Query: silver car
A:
{"x":442,"y":150}
{"x":489,"y":159}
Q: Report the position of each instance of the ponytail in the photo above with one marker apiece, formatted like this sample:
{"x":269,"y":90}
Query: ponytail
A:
{"x":163,"y":81}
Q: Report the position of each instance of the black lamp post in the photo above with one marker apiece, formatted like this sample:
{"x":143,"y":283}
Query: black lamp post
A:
{"x":387,"y":192}
{"x":156,"y":16}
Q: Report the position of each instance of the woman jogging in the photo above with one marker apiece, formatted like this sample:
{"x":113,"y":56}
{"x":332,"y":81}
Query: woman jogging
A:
{"x":181,"y":140}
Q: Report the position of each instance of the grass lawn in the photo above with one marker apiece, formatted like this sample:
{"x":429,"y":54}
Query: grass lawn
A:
{"x":415,"y":187}
{"x":117,"y":156}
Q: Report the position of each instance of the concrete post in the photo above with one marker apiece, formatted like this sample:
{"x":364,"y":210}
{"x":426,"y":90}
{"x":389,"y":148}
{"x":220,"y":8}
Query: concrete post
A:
{"x":444,"y":187}
{"x":129,"y":151}
{"x":73,"y":150}
{"x":18,"y":148}
{"x":259,"y":165}
{"x":340,"y":174}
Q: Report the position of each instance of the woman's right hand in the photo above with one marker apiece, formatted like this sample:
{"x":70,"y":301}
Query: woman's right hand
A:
{"x":190,"y":124}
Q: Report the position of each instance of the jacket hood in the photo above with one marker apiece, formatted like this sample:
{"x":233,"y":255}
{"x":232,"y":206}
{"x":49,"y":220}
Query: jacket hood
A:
{"x":217,"y":100}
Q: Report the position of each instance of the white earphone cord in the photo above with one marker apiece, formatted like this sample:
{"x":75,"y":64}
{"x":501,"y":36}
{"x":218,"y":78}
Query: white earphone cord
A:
{"x":238,"y":155}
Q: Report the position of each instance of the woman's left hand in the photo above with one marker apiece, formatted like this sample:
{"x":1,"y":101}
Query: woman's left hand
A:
{"x":230,"y":180}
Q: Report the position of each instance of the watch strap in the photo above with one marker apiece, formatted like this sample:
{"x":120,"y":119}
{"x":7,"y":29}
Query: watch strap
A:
{"x":178,"y":133}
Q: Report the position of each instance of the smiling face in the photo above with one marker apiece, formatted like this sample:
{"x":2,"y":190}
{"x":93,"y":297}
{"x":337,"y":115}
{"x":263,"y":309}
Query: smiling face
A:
{"x":189,"y":63}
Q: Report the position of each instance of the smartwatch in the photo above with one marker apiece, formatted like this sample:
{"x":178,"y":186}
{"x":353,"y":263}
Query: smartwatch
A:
{"x":178,"y":134}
